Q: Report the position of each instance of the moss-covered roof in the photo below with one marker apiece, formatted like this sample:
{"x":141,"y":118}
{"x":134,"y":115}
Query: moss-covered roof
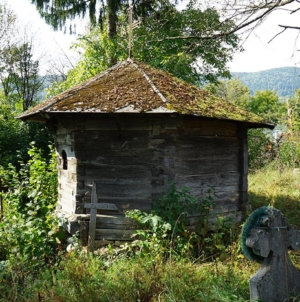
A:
{"x":132,"y":86}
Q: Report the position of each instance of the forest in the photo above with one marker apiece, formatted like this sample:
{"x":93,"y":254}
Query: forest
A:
{"x":165,"y":261}
{"x":284,"y":81}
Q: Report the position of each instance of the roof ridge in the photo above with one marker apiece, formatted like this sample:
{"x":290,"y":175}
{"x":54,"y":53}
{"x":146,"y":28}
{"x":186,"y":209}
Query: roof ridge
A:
{"x":148,"y":80}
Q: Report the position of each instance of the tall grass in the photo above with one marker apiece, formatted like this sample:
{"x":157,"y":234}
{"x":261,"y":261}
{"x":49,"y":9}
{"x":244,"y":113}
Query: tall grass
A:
{"x":81,"y":277}
{"x":278,"y":188}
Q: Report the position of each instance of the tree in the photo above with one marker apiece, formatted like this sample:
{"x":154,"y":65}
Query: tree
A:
{"x":189,"y":59}
{"x":7,"y":24}
{"x":294,"y":113}
{"x":231,"y":90}
{"x":57,"y":13}
{"x":19,"y":74}
{"x":247,"y":15}
{"x":267,"y":104}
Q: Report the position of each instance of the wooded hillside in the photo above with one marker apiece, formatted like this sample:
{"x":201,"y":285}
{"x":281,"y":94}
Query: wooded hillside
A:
{"x":283,"y":80}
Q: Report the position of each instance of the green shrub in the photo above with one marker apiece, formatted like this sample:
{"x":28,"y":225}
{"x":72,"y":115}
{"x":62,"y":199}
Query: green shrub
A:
{"x":166,"y":231}
{"x":28,"y":228}
{"x":289,"y":153}
{"x":16,"y":135}
{"x":261,"y":149}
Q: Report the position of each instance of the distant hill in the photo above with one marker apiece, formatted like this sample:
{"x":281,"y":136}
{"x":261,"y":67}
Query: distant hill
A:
{"x":283,"y":80}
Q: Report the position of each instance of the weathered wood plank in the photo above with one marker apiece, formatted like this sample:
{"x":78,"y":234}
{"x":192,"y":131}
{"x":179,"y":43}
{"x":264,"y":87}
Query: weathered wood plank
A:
{"x":210,"y":131}
{"x":107,"y":151}
{"x":124,"y":204}
{"x":135,"y":190}
{"x":192,"y":167}
{"x":102,"y":121}
{"x":116,"y":222}
{"x":196,"y":122}
{"x":113,"y":135}
{"x":207,"y":148}
{"x":121,"y":121}
{"x":118,"y":173}
{"x":208,"y":179}
{"x":119,"y":161}
{"x":101,"y":206}
{"x":111,"y":234}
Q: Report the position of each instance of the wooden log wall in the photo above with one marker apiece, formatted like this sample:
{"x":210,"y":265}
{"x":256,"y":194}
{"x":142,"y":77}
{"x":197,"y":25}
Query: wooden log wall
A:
{"x":134,"y":157}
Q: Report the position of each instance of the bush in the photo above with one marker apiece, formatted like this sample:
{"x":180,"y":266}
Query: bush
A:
{"x":289,"y":153}
{"x":261,"y":149}
{"x":28,"y":228}
{"x":167,"y":232}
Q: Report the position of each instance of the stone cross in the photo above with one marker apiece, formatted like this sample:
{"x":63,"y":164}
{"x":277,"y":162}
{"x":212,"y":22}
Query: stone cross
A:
{"x":269,"y":238}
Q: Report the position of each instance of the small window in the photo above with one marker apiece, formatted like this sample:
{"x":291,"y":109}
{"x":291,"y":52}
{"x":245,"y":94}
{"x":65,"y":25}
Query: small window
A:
{"x":65,"y":159}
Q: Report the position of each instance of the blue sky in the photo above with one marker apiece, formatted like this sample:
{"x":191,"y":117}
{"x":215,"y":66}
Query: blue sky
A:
{"x":258,"y":54}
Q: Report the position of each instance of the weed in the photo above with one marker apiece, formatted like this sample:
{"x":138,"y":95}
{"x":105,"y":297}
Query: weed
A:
{"x":28,"y":228}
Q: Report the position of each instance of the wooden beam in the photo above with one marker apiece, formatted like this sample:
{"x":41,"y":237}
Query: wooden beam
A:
{"x":101,"y":206}
{"x":93,"y":218}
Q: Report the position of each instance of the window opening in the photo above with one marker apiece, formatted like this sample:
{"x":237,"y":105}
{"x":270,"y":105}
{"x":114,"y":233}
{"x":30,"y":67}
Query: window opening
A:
{"x":65,"y":159}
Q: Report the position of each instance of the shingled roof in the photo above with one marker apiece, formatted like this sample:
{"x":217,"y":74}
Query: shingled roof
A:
{"x":132,"y":86}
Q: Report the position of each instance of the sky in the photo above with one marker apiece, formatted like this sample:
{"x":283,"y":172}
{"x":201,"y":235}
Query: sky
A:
{"x":258,"y":54}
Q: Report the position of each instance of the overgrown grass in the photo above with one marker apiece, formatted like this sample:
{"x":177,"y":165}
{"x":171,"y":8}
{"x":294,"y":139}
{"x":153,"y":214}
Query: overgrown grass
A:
{"x":80,"y":277}
{"x":116,"y":277}
{"x":278,"y":188}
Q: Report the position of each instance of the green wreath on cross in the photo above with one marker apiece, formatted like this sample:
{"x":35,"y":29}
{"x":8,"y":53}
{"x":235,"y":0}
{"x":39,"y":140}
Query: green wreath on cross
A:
{"x":253,"y":221}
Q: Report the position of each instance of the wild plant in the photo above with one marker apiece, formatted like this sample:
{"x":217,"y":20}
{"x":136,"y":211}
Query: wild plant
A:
{"x":28,"y":229}
{"x":167,"y":230}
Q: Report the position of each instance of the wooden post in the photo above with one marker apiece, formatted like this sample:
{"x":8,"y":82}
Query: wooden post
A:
{"x":94,"y":206}
{"x":93,"y":220}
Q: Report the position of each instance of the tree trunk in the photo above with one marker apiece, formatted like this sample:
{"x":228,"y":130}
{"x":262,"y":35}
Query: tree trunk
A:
{"x":112,"y":6}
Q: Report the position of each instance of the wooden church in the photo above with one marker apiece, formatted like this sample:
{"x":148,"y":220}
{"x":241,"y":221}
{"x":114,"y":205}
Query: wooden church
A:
{"x":132,"y":130}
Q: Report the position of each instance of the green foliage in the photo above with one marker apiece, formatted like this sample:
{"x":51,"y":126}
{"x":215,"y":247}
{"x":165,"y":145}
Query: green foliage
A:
{"x":28,"y":228}
{"x":167,"y":230}
{"x":80,"y":277}
{"x":163,"y":41}
{"x":153,"y":238}
{"x":261,"y":148}
{"x":294,"y":103}
{"x":19,"y":76}
{"x":231,"y":90}
{"x":264,"y":150}
{"x":289,"y":153}
{"x":279,"y":188}
{"x":175,"y":206}
{"x":283,"y":80}
{"x":16,"y":135}
{"x":171,"y":40}
{"x":266,"y":104}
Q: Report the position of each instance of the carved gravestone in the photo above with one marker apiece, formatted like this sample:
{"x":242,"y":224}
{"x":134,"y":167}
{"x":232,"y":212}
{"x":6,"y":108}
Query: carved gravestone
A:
{"x":266,"y":238}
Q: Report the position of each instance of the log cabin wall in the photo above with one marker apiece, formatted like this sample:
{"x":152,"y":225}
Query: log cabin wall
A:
{"x":133,"y":157}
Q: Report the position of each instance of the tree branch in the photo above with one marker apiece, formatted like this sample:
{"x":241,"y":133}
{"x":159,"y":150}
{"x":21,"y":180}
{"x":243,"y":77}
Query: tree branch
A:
{"x":268,"y":8}
{"x":289,"y":27}
{"x":277,"y":35}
